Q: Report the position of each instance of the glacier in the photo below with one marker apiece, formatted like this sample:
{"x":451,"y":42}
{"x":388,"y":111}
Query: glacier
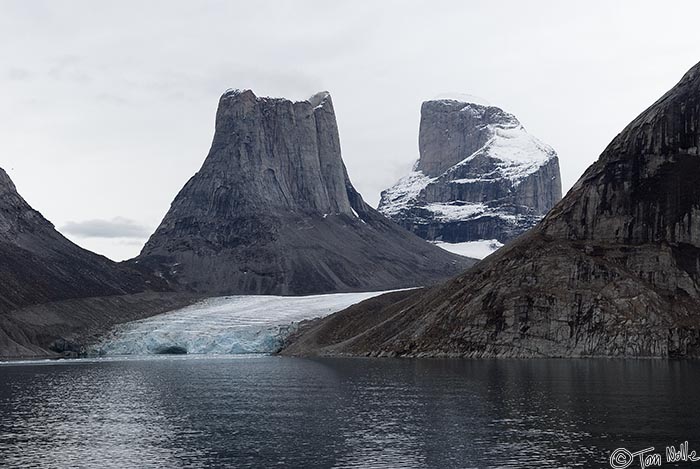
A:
{"x":242,"y":324}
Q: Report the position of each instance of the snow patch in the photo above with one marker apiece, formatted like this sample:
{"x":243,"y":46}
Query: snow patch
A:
{"x":404,"y":193}
{"x":518,"y":153}
{"x":474,"y":249}
{"x":456,"y":211}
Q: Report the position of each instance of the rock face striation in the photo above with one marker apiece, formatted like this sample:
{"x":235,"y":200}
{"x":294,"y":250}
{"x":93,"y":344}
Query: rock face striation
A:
{"x":272,"y":211}
{"x":480,"y":176}
{"x":613,"y":269}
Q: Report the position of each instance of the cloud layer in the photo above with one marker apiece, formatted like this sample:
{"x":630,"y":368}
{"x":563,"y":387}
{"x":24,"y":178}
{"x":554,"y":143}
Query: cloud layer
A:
{"x":118,"y":227}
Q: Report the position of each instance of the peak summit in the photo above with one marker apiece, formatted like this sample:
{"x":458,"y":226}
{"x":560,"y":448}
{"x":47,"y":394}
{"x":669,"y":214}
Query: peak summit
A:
{"x":317,"y":99}
{"x":320,"y":98}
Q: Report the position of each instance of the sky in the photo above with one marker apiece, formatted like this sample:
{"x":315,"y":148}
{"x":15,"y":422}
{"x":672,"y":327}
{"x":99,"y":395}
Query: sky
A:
{"x":108,"y":107}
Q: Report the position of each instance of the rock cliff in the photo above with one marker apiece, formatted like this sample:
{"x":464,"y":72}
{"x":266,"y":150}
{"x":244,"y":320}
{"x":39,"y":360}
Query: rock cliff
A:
{"x":272,"y":211}
{"x":480,"y":176}
{"x":613,"y":269}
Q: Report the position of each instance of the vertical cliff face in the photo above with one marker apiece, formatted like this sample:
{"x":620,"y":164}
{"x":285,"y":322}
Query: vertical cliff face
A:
{"x":613,"y":269}
{"x":38,"y":265}
{"x":480,"y":176}
{"x":272,"y":210}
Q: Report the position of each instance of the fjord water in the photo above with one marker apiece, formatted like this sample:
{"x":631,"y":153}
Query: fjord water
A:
{"x":291,"y":412}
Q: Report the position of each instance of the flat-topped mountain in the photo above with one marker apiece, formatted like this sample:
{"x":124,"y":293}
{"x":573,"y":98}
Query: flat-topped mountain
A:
{"x":272,"y":211}
{"x":613,"y":270}
{"x":480,"y":175}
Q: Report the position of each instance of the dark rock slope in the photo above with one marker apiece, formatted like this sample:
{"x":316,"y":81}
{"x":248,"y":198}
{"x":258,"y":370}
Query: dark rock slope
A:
{"x":480,"y":175}
{"x":38,"y":266}
{"x":272,"y":211}
{"x":613,"y":270}
{"x":63,"y":328}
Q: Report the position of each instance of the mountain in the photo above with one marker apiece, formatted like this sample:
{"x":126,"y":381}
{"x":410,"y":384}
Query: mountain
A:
{"x":612,"y":270}
{"x":39,"y":265}
{"x":272,"y":211}
{"x":44,"y":279}
{"x":480,"y":176}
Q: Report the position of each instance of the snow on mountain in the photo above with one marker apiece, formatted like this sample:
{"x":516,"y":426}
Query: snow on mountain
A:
{"x":480,"y":175}
{"x":474,"y":249}
{"x":224,"y":325}
{"x":404,"y":193}
{"x":519,"y":154}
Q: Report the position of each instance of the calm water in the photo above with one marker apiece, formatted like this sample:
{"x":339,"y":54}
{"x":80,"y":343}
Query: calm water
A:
{"x":285,"y":412}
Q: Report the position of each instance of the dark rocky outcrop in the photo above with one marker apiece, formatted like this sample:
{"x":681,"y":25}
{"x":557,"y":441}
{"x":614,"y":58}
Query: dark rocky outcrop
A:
{"x":613,"y":270}
{"x":480,"y":176}
{"x":272,"y":211}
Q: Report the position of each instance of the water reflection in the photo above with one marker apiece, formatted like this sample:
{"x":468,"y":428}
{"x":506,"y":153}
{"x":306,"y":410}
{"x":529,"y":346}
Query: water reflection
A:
{"x":261,"y":412}
{"x":61,"y":416}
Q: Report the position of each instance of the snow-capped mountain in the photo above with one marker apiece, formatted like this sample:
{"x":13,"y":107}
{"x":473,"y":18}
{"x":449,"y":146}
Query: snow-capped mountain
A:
{"x":480,"y":175}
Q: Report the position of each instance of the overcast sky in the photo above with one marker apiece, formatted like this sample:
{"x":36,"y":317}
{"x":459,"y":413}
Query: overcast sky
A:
{"x":108,"y":107}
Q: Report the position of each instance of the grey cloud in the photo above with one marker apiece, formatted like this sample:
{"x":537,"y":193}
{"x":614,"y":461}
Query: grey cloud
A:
{"x":112,"y":98}
{"x":129,"y":242}
{"x":19,"y":74}
{"x":117,"y":227}
{"x":70,"y":68}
